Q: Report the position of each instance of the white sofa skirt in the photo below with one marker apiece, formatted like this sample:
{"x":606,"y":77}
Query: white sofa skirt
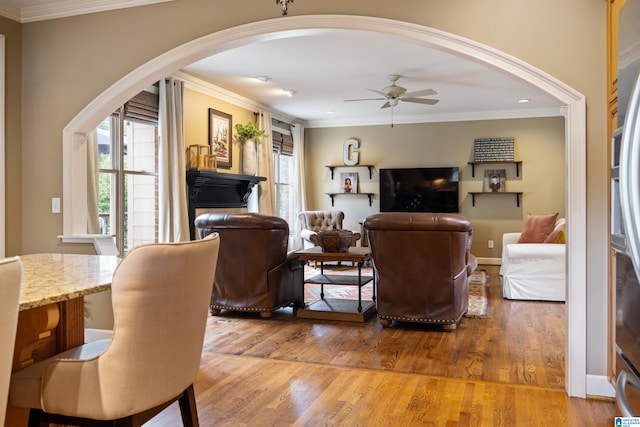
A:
{"x":533,"y":271}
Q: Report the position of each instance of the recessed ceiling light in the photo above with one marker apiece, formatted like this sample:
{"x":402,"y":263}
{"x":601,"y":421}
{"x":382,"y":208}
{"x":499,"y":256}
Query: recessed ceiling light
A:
{"x":524,"y":100}
{"x":263,"y":79}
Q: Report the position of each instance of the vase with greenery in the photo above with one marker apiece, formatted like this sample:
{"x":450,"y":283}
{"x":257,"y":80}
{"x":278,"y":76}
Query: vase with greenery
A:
{"x":249,"y":136}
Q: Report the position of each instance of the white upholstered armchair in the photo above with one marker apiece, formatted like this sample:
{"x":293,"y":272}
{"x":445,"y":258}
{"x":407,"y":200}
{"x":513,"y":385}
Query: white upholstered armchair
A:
{"x":533,"y":271}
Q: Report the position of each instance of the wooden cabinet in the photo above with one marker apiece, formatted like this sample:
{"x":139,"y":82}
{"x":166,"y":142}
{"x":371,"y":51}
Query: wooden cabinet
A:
{"x":613,"y":12}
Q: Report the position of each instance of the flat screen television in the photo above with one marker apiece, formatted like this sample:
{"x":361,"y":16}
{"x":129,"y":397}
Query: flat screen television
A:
{"x":419,"y":190}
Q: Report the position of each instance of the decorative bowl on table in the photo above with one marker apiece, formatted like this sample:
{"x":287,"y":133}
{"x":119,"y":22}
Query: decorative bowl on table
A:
{"x":335,"y":240}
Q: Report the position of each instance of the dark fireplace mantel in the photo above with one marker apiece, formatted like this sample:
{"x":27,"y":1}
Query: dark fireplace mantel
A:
{"x":207,"y":190}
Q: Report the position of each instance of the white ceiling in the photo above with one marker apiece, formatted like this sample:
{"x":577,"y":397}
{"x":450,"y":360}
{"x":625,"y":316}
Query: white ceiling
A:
{"x":325,"y":69}
{"x":328,"y":67}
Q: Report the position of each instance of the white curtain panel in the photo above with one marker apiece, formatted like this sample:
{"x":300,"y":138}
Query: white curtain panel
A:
{"x":299,"y":202}
{"x":93,"y":169}
{"x":266,"y":199}
{"x":173,"y":216}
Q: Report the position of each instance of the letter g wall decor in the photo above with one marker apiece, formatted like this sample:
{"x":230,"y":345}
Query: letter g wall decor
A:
{"x":350,"y":156}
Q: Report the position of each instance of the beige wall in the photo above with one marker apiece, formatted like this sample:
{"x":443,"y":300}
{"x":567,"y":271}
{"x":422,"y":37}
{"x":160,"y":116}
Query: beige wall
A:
{"x":68,"y":62}
{"x":196,"y":122}
{"x":539,"y":143}
{"x":13,"y":134}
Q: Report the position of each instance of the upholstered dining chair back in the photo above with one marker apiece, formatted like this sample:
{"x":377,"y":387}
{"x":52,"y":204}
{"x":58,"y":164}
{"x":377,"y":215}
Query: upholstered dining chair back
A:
{"x":160,"y":299}
{"x":423,"y":261}
{"x":10,"y":282}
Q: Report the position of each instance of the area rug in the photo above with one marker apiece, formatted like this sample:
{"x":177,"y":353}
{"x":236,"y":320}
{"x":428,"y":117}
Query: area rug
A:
{"x":479,"y":298}
{"x":479,"y":301}
{"x":312,"y":291}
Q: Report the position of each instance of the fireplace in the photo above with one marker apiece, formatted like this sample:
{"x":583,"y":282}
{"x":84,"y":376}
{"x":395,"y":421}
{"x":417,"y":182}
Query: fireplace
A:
{"x":220,"y":191}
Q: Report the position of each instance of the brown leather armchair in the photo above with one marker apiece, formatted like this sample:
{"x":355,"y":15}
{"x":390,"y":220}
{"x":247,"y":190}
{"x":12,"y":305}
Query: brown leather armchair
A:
{"x":255,"y":272}
{"x":423,"y":261}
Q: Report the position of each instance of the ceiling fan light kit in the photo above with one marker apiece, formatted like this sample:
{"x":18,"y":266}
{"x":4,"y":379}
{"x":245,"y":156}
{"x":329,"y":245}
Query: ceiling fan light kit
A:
{"x":285,"y":5}
{"x":393,"y":93}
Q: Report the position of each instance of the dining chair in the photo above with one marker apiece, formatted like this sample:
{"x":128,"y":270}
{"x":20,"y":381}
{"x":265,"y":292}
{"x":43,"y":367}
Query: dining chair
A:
{"x":10,"y":282}
{"x":160,"y":296}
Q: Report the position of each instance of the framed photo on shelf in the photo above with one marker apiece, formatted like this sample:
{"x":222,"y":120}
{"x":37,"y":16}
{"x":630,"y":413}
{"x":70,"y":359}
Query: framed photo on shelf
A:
{"x":220,"y":126}
{"x":494,"y":180}
{"x":348,"y":182}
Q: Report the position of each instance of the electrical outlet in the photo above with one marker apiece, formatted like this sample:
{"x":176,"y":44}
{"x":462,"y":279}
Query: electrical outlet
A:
{"x":490,"y":244}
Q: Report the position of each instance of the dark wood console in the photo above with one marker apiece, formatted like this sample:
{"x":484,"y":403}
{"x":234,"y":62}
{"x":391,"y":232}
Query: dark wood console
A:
{"x":207,"y":190}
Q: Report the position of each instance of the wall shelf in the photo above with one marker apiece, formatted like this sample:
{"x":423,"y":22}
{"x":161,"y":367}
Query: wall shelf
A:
{"x":369,"y":195}
{"x":518,"y":163}
{"x":332,"y":167}
{"x":518,"y":195}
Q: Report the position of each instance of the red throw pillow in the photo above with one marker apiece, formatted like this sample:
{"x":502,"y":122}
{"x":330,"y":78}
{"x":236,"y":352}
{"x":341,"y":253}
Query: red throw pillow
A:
{"x":537,"y":228}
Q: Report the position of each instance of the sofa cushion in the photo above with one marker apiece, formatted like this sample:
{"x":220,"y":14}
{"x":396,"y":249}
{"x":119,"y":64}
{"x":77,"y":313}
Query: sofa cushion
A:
{"x":537,"y":228}
{"x":557,"y":235}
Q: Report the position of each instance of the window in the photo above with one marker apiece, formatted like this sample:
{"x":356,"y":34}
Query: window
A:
{"x":283,"y":171}
{"x":128,"y":173}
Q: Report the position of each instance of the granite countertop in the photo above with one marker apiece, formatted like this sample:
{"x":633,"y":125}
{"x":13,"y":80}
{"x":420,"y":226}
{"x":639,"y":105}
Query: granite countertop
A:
{"x":51,"y":278}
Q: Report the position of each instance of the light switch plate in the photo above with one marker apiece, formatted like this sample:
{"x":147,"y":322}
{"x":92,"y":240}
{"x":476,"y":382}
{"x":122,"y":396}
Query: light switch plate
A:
{"x":55,"y":205}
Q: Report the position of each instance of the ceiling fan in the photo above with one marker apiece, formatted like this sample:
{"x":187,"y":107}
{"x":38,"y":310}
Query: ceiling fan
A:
{"x":394,"y":93}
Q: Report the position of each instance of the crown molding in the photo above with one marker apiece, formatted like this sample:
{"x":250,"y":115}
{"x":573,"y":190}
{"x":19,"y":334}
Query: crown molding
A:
{"x":209,"y":89}
{"x":10,"y":11}
{"x":440,"y":118}
{"x":202,"y":86}
{"x":67,"y":8}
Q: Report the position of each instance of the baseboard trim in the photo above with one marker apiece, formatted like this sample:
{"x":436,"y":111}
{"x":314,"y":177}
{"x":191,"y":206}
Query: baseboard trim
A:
{"x":490,"y":261}
{"x":599,"y":385}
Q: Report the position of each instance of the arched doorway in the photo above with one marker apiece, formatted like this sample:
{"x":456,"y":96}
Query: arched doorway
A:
{"x":574,"y":112}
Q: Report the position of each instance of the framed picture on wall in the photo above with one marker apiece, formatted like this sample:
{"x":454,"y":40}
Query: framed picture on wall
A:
{"x":494,"y":180}
{"x":220,"y":126}
{"x":348,"y":182}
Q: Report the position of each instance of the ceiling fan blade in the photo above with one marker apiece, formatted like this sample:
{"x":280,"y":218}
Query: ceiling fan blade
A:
{"x":417,"y":93}
{"x":421,"y":101}
{"x":365,"y":99}
{"x":386,"y":105}
{"x":379,"y":93}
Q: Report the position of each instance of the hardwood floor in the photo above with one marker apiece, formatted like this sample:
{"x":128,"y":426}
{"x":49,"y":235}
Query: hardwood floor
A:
{"x":507,"y":369}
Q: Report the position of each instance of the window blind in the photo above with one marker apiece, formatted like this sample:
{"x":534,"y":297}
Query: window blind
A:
{"x":282,"y":143}
{"x":142,"y":107}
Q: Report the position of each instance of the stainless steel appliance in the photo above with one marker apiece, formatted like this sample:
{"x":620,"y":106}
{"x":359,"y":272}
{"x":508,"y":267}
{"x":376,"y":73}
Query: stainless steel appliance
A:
{"x":625,"y":211}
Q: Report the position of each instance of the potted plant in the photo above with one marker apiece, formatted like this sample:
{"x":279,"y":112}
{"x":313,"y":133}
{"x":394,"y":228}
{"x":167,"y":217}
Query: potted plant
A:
{"x":249,"y":137}
{"x":249,"y":132}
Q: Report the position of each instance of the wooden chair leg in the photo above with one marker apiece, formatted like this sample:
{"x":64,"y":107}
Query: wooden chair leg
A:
{"x":36,"y":418}
{"x":188,"y":408}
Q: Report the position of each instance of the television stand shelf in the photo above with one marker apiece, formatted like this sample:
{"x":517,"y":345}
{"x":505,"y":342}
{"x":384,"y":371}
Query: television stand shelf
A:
{"x":332,"y":195}
{"x":477,"y":193}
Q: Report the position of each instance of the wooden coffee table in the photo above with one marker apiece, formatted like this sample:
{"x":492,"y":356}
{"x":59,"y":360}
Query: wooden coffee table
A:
{"x":333,"y":308}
